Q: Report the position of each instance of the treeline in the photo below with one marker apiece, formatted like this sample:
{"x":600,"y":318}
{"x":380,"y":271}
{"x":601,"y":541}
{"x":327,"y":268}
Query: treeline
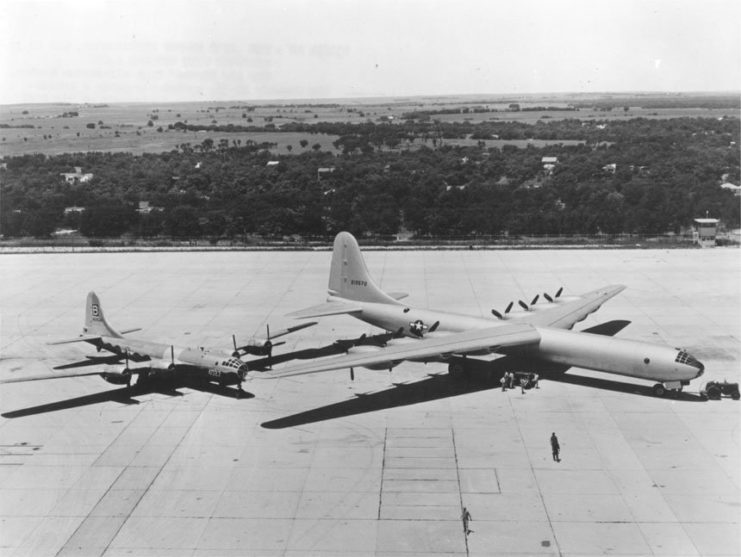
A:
{"x":636,"y":176}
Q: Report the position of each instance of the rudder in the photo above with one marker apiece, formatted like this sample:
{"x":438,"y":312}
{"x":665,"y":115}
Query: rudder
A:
{"x":349,"y":277}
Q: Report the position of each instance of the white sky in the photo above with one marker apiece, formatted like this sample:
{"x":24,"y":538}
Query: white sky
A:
{"x":181,"y":50}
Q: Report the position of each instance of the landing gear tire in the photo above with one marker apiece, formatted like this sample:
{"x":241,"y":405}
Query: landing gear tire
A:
{"x":456,"y":370}
{"x":659,"y":390}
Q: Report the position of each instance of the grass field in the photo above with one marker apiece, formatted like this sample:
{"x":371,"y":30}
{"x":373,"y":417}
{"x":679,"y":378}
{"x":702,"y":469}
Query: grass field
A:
{"x":41,"y":128}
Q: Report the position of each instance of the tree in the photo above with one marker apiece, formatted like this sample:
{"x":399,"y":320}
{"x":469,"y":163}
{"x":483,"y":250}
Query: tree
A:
{"x":182,"y":222}
{"x":304,"y":143}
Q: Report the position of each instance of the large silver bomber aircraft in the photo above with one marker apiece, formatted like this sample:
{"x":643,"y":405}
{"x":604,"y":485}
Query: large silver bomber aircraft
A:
{"x":540,"y":334}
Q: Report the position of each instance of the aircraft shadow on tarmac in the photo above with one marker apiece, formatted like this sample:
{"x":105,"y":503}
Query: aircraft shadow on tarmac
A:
{"x":169,"y":386}
{"x":125,"y":396}
{"x":440,"y":386}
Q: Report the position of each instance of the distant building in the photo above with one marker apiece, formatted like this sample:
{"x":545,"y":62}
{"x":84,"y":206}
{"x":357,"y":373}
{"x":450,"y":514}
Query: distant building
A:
{"x":73,"y":209}
{"x":706,"y":230}
{"x":145,"y":208}
{"x":549,"y":163}
{"x":323,"y":171}
{"x":611,"y":168}
{"x":273,"y":163}
{"x":732,"y":187}
{"x":77,"y":176}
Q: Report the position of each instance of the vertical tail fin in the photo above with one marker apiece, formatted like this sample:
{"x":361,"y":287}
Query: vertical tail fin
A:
{"x":349,"y":277}
{"x":95,"y":322}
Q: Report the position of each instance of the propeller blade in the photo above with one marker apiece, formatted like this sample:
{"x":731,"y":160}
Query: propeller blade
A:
{"x":499,"y":315}
{"x":352,"y":374}
{"x":535,"y":300}
{"x":509,"y":307}
{"x":547,"y":297}
{"x":234,"y":342}
{"x":523,"y":305}
{"x":559,"y":292}
{"x":267,"y":327}
{"x":434,"y":327}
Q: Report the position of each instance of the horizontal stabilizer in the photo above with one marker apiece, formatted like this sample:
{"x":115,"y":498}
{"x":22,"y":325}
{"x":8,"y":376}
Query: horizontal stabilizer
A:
{"x":327,"y":308}
{"x":609,"y":329}
{"x":398,"y":295}
{"x":127,"y":331}
{"x":81,"y":338}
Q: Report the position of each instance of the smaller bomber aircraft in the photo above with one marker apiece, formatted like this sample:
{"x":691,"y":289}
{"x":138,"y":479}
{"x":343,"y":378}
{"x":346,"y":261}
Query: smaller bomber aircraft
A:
{"x":150,"y":360}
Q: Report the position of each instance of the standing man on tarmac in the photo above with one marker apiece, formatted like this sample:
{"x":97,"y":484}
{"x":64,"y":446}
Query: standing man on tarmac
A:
{"x":555,"y":447}
{"x":466,"y":518}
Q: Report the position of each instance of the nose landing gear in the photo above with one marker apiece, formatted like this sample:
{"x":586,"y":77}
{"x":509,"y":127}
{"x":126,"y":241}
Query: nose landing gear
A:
{"x":661,"y":389}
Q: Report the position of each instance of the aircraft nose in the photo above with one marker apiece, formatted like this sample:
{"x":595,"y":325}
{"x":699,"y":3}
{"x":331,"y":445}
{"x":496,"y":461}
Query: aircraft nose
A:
{"x":697,"y":364}
{"x":243,"y":370}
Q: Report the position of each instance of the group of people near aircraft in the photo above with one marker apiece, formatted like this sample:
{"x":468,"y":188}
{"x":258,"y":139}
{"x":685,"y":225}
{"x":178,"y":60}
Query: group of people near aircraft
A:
{"x":537,"y":337}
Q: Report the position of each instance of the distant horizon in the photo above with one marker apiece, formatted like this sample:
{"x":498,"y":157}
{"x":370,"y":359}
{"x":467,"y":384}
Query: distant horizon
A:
{"x":96,"y":51}
{"x":324,"y":100}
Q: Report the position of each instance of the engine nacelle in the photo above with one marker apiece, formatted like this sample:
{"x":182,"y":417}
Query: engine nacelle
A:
{"x":117,"y":375}
{"x":161,"y":366}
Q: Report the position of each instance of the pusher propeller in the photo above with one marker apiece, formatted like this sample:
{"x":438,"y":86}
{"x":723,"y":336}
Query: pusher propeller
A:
{"x":506,"y":311}
{"x":552,"y":299}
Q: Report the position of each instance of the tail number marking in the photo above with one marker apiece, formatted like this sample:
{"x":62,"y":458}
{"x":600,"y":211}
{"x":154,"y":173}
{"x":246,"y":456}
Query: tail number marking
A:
{"x":359,"y":283}
{"x":95,"y":311}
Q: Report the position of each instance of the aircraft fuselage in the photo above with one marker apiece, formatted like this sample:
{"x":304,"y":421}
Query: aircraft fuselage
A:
{"x":212,"y":365}
{"x":591,"y":351}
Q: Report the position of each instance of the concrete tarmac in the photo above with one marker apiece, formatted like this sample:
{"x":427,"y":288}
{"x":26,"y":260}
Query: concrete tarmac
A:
{"x":383,"y":465}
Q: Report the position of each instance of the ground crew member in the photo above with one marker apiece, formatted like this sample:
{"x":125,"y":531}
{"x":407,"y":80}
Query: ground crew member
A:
{"x":555,"y":447}
{"x":503,"y":381}
{"x":466,"y":517}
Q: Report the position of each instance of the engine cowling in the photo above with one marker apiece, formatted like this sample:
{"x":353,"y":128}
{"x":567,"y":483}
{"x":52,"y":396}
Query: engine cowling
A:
{"x":117,"y":375}
{"x":161,"y":366}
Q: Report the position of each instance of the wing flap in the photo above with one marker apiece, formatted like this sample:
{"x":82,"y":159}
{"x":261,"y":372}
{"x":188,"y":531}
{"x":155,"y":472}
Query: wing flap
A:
{"x":491,"y":339}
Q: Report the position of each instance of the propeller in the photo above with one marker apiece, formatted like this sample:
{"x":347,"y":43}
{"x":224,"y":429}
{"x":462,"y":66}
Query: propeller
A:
{"x":434,"y":327}
{"x":535,"y":300}
{"x":269,"y":346}
{"x":523,"y":305}
{"x":506,"y":311}
{"x":127,"y":370}
{"x":552,"y":299}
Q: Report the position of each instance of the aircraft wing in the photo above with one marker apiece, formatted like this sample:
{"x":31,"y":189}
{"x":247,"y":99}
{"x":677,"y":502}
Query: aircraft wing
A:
{"x":289,"y":330}
{"x":94,"y":361}
{"x":476,"y":340}
{"x":59,"y":376}
{"x":565,"y":314}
